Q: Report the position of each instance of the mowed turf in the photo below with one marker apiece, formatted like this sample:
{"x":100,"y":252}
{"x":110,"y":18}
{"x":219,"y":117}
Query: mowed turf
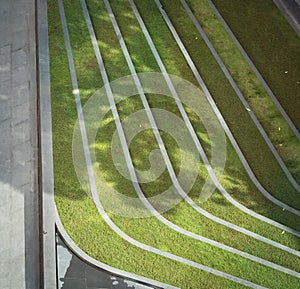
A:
{"x":76,"y":209}
{"x":251,"y":143}
{"x":273,"y":46}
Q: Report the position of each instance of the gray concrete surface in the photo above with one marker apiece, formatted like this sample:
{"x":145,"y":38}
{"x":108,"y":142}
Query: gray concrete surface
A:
{"x":47,"y":175}
{"x":19,"y":259}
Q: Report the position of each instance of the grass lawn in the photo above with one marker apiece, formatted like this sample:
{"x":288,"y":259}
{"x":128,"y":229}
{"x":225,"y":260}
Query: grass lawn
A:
{"x":251,"y":143}
{"x":76,"y":209}
{"x":272,"y":45}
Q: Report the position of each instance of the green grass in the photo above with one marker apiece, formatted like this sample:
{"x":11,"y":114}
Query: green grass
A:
{"x":273,"y":46}
{"x":76,"y":209}
{"x":251,"y":143}
{"x":265,"y":167}
{"x":275,"y":49}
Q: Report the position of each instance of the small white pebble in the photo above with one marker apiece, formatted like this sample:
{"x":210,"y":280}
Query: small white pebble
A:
{"x":286,"y":72}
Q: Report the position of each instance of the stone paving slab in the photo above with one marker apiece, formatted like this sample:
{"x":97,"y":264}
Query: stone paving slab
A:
{"x":19,"y":257}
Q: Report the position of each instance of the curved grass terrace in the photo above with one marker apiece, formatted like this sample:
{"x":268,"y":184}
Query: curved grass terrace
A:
{"x":77,"y":210}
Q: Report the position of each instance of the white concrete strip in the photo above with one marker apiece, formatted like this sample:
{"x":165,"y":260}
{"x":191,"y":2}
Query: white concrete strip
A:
{"x":118,"y":123}
{"x":222,"y":121}
{"x":77,"y":97}
{"x":255,"y":70}
{"x":169,"y":165}
{"x":186,"y":197}
{"x":226,"y":128}
{"x":142,"y":96}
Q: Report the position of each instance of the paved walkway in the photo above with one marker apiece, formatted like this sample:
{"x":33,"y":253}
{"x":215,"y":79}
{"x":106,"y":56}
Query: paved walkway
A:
{"x":18,"y":158}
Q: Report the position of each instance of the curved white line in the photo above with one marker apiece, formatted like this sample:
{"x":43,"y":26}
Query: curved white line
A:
{"x":187,"y":198}
{"x":95,"y":197}
{"x":168,"y":162}
{"x":96,"y":263}
{"x":132,"y":171}
{"x":203,"y":86}
{"x":196,"y":141}
{"x":251,"y":113}
{"x":200,"y":210}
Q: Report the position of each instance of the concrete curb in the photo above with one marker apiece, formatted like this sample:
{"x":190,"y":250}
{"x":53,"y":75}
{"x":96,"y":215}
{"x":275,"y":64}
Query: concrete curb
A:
{"x":47,"y":180}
